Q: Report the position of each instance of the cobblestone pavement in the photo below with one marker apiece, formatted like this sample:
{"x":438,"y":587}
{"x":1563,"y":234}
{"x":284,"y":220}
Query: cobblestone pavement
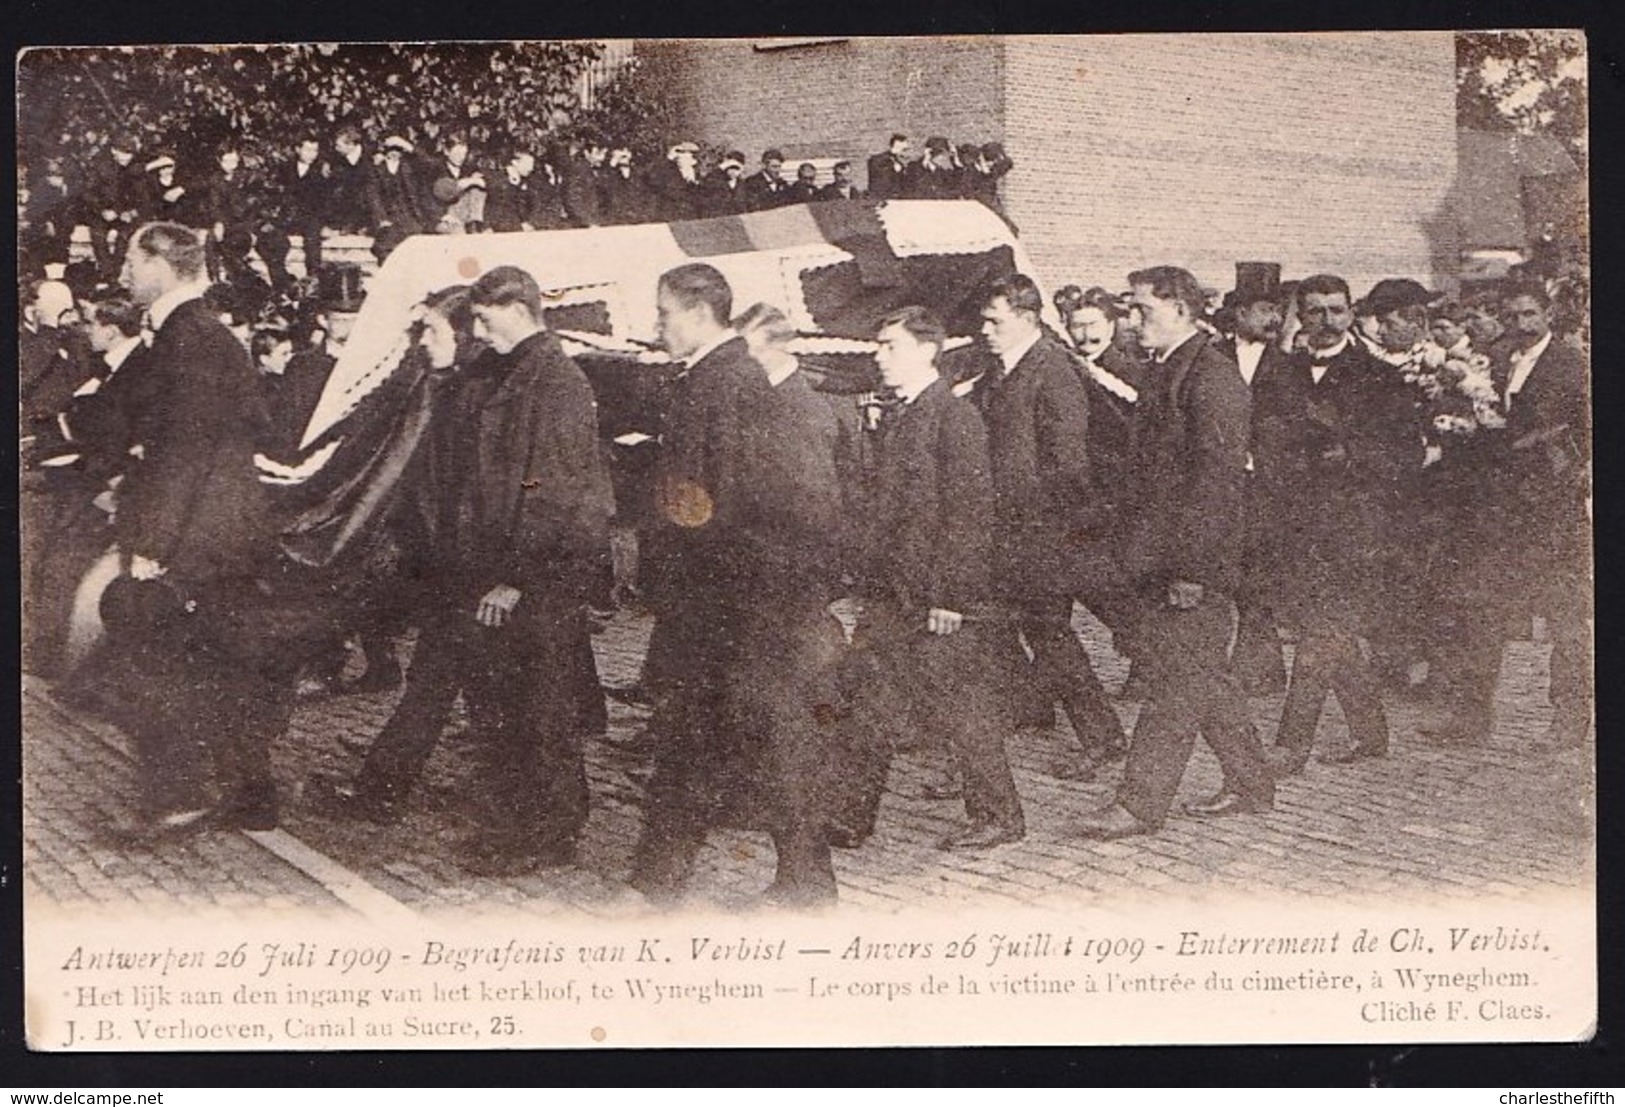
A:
{"x":1509,"y":816}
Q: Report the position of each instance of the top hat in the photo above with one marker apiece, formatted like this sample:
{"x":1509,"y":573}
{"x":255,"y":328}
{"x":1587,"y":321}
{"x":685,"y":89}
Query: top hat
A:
{"x":1255,"y":281}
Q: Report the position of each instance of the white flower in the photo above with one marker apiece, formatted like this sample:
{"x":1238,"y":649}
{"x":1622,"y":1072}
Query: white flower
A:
{"x":1433,"y":355}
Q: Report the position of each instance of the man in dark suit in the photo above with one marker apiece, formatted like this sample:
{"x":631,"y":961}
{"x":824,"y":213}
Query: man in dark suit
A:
{"x":982,"y":168}
{"x":805,"y":189}
{"x":1182,"y":549}
{"x":352,"y":174}
{"x":1252,"y":312}
{"x":888,"y":171}
{"x":508,"y":199}
{"x":842,"y":187}
{"x":766,"y":188}
{"x":674,"y":184}
{"x":118,"y":189}
{"x":581,"y":186}
{"x":723,"y":192}
{"x":1333,"y":437}
{"x":935,"y":176}
{"x":395,"y":198}
{"x":1530,"y":554}
{"x":306,"y":188}
{"x":709,"y":558}
{"x":1037,"y":415}
{"x":193,"y":515}
{"x":923,"y":572}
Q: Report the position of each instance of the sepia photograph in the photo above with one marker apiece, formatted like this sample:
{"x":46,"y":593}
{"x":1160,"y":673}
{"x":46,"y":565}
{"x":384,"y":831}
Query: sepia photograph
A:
{"x":1023,"y":539}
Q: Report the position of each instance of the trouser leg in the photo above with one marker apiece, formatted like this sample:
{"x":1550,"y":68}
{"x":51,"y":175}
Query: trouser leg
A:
{"x":1305,"y":696}
{"x":396,"y":757}
{"x":957,"y":688}
{"x":1065,"y":673}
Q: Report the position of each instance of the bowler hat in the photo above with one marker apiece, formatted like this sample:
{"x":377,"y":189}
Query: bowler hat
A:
{"x":1394,"y":293}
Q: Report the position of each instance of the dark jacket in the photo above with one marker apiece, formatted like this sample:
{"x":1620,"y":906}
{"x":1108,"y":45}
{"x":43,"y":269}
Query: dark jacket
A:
{"x":800,"y":492}
{"x":705,"y":537}
{"x":305,"y":200}
{"x":532,"y":496}
{"x":929,"y":518}
{"x":1543,"y":471}
{"x":396,"y":199}
{"x":347,"y":208}
{"x":1333,"y":515}
{"x":672,"y":196}
{"x":1037,"y":419}
{"x":717,"y":198}
{"x":833,"y":191}
{"x":1184,"y":515}
{"x":582,"y":193}
{"x":1113,"y":383}
{"x":194,"y":502}
{"x":763,"y":192}
{"x":887,"y":176}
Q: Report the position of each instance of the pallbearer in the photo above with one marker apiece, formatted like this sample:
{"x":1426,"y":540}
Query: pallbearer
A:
{"x":924,"y":579}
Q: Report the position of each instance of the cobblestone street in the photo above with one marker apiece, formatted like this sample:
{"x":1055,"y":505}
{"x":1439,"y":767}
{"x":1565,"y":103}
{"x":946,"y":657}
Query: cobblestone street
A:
{"x":1510,"y":816}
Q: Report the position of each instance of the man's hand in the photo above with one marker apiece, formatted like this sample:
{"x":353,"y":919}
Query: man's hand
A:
{"x":942,"y":621}
{"x":1184,"y":594}
{"x":497,"y":605}
{"x":145,"y":568}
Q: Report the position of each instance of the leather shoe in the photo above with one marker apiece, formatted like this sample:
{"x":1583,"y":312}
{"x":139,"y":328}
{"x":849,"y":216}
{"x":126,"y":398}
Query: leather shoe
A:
{"x":1285,"y":762}
{"x":1354,"y":753}
{"x":1110,"y":823}
{"x":983,"y":836}
{"x":1226,"y":803}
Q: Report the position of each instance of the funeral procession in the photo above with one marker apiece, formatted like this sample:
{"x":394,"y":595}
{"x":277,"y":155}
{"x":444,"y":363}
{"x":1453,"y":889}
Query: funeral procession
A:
{"x":805,"y":474}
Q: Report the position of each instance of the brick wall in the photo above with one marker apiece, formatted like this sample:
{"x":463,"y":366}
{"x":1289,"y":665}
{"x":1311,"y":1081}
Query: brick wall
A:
{"x":839,"y":99}
{"x":1322,"y":152}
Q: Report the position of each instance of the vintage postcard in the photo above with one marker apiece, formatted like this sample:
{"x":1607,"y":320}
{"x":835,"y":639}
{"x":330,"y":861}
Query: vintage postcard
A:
{"x":807,"y":541}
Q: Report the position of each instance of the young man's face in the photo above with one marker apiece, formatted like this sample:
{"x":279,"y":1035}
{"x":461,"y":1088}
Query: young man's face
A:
{"x":773,"y":168}
{"x":1447,"y":332}
{"x":1159,"y":323}
{"x":146,"y":276}
{"x":276,"y":359}
{"x":504,"y":326}
{"x":843,"y":174}
{"x":230,"y":160}
{"x":806,"y":174}
{"x":1483,"y":324}
{"x":682,"y":329}
{"x":308,"y":151}
{"x":902,"y":357}
{"x":1398,"y":333}
{"x":1003,"y":327}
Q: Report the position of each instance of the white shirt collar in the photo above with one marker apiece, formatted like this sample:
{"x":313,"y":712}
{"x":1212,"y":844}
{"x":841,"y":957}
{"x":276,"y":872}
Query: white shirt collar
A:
{"x":164,"y":305}
{"x":705,"y":351}
{"x":1012,"y":358}
{"x":1330,"y":351}
{"x":1523,"y":364}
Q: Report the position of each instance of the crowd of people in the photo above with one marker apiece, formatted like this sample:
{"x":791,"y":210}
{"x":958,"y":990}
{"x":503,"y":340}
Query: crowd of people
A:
{"x":430,"y":179}
{"x":1394,"y":484}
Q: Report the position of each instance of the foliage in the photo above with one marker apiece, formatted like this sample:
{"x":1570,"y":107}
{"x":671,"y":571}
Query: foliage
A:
{"x":187,"y":99}
{"x":1532,"y":82}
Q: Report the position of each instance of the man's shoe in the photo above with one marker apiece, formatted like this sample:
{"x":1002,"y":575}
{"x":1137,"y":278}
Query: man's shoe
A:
{"x":1284,"y":762}
{"x":1110,"y":823}
{"x":342,"y":799}
{"x":843,"y":835}
{"x":1225,"y":803}
{"x":1354,"y":753}
{"x":799,"y":897}
{"x":983,"y":836}
{"x":163,"y":826}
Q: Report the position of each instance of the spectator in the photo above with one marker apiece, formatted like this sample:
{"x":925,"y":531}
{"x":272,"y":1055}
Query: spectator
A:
{"x":889,"y":171}
{"x":724,"y":190}
{"x":347,"y":209}
{"x":395,"y":198}
{"x":841,"y":188}
{"x":305,"y":191}
{"x":509,"y":202}
{"x":674,"y":183}
{"x":805,"y":188}
{"x":767,"y":187}
{"x":582,"y":184}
